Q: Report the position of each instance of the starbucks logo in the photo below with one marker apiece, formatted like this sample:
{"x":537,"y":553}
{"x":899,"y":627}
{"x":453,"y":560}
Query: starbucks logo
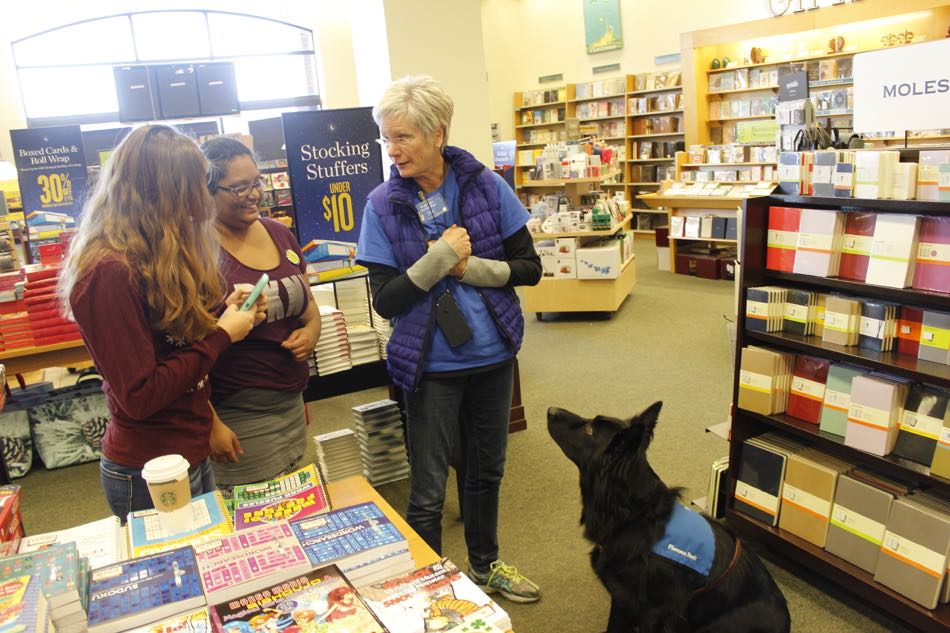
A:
{"x":168,"y":498}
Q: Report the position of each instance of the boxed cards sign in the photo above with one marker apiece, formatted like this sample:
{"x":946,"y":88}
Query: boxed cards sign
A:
{"x":902,"y":88}
{"x":51,"y":169}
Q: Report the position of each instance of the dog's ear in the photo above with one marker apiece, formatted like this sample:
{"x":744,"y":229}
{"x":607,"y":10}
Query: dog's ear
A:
{"x":642,"y":425}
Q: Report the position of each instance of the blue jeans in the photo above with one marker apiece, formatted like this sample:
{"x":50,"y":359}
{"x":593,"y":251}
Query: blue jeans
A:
{"x":480,"y":405}
{"x":126,"y":491}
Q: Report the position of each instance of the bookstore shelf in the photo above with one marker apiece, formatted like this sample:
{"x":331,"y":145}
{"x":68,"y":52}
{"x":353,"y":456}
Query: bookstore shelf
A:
{"x":530,"y":144}
{"x":713,"y":93}
{"x":725,"y":164}
{"x":604,"y":118}
{"x":540,"y":105}
{"x":616,"y":226}
{"x":581,"y":295}
{"x":757,"y":117}
{"x":845,"y":574}
{"x":653,"y":91}
{"x":527,"y":125}
{"x":748,"y":424}
{"x":713,"y":71}
{"x":704,"y":239}
{"x":657,"y":113}
{"x":830,"y":82}
{"x":649,"y":160}
{"x":600,"y":98}
{"x":657,"y":135}
{"x":891,"y":465}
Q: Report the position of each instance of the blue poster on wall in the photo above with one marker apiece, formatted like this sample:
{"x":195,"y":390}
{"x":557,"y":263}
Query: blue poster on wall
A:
{"x":51,"y":169}
{"x":334,"y":162}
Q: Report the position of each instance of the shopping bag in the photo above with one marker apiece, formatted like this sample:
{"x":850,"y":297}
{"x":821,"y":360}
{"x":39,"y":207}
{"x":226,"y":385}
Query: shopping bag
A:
{"x":68,"y":425}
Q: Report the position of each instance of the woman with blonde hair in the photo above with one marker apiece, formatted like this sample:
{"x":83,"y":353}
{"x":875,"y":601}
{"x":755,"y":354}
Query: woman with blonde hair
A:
{"x":140,"y":281}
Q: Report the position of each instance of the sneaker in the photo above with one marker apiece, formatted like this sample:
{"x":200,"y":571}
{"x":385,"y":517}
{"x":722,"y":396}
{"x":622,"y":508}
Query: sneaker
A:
{"x":506,"y":580}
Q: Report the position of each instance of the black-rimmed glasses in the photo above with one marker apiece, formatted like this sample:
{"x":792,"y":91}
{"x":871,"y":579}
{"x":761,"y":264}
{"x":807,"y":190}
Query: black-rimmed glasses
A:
{"x":242,"y":191}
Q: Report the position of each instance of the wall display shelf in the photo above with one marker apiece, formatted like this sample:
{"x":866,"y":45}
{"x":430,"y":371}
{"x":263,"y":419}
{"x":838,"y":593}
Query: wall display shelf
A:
{"x":747,"y":424}
{"x":686,"y":206}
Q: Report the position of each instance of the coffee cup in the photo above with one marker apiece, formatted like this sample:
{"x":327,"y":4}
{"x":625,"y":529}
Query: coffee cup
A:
{"x":170,"y":489}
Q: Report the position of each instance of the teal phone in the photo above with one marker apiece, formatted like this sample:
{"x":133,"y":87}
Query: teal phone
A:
{"x":255,"y":293}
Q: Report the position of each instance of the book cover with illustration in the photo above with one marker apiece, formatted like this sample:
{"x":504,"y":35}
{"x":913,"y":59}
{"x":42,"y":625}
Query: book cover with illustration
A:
{"x":300,"y":494}
{"x":211,"y":520}
{"x":438,"y":597}
{"x":357,"y":534}
{"x":23,"y":608}
{"x":144,"y":590}
{"x":197,"y":621}
{"x":249,"y":560}
{"x":321,"y":601}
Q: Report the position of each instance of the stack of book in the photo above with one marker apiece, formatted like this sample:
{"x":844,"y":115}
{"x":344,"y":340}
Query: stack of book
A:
{"x":364,"y":344}
{"x":333,"y":348}
{"x":433,"y":598}
{"x":60,"y":572}
{"x":24,"y":607}
{"x":926,"y":410}
{"x":894,"y":250}
{"x":352,"y":301}
{"x":210,"y":520}
{"x":360,"y":539}
{"x":875,"y":412}
{"x":874,"y":173}
{"x":856,"y":245}
{"x":299,"y":494}
{"x":878,"y":326}
{"x":908,"y":330}
{"x":321,"y":600}
{"x":859,"y":517}
{"x":842,"y":321}
{"x":915,"y":547}
{"x":782,"y":241}
{"x":144,"y":590}
{"x":339,"y":454}
{"x":933,"y":255}
{"x":384,"y":330}
{"x":764,"y":379}
{"x":103,"y":542}
{"x":808,"y":388}
{"x":820,"y":235}
{"x":11,"y":523}
{"x":379,"y":430}
{"x":765,"y":308}
{"x":837,"y":400}
{"x":935,"y":337}
{"x":801,"y":312}
{"x":250,"y":560}
{"x":808,"y":493}
{"x":761,"y":474}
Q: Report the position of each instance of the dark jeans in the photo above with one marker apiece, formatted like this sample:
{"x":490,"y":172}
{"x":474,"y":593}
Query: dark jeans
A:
{"x":126,"y":491}
{"x":480,"y":404}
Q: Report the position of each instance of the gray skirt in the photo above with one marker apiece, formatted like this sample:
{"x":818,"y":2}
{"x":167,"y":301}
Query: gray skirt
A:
{"x":272,"y":428}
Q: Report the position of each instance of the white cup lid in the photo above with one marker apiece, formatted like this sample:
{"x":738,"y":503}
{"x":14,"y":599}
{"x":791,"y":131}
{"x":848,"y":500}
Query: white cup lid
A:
{"x":165,"y":468}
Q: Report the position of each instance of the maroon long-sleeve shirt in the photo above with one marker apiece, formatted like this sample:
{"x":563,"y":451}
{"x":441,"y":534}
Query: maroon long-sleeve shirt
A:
{"x":157,"y":389}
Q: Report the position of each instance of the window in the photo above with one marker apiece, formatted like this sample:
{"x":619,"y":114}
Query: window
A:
{"x":65,"y":74}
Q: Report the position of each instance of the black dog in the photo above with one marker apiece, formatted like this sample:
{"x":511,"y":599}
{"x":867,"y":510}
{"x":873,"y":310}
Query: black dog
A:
{"x":692,"y":577}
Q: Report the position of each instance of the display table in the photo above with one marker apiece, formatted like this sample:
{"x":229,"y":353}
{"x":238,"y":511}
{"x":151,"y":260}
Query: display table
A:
{"x":27,"y":359}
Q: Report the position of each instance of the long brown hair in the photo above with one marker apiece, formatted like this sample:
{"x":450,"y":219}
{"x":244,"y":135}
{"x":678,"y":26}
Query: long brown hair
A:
{"x":151,"y":208}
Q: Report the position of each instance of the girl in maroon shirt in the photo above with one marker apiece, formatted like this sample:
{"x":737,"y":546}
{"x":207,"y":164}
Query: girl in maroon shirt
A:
{"x":140,"y":280}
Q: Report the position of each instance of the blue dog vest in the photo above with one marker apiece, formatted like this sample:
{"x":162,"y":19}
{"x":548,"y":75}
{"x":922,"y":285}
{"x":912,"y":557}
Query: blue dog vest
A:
{"x":688,"y":541}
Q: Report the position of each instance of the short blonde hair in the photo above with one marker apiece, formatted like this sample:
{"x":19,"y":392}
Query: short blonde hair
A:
{"x":422,"y":100}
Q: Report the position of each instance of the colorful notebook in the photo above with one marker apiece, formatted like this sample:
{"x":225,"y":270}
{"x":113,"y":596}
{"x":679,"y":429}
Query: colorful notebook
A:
{"x":782,"y":238}
{"x":913,"y":560}
{"x":928,"y":173}
{"x":925,"y":412}
{"x":908,"y":330}
{"x":858,"y":521}
{"x":874,"y":414}
{"x":932,"y":271}
{"x":807,"y":393}
{"x":856,"y":245}
{"x":300,"y":494}
{"x":808,"y":493}
{"x":834,"y":409}
{"x":893,"y":251}
{"x":935,"y":337}
{"x":210,"y":520}
{"x":818,"y":250}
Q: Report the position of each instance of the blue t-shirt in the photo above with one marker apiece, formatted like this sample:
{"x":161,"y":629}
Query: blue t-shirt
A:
{"x":487,"y":346}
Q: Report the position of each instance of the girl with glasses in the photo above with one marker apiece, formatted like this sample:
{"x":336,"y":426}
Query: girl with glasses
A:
{"x":257,"y":385}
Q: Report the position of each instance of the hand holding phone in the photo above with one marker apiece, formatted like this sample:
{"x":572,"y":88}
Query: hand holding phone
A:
{"x":255,"y":293}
